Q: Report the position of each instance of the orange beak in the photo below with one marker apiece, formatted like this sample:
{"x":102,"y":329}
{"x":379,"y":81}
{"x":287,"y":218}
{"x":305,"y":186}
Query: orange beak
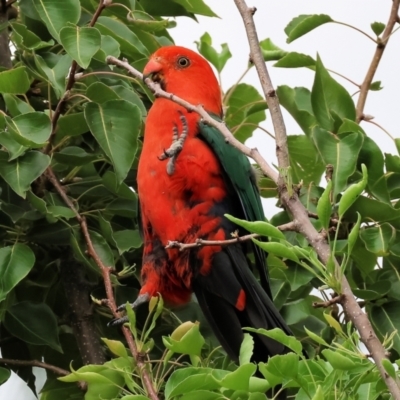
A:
{"x":152,"y":67}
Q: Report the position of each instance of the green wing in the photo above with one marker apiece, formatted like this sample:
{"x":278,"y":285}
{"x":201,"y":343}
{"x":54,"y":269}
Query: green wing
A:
{"x":241,"y":178}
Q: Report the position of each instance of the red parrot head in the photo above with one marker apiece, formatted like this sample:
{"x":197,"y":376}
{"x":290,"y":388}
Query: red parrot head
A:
{"x":186,"y":74}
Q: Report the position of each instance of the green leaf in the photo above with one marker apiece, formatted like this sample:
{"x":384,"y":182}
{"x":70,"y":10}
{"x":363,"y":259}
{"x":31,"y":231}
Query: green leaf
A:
{"x":33,"y":323}
{"x":71,"y":125}
{"x":281,"y":337}
{"x":27,"y":39}
{"x":245,"y":110}
{"x":80,"y":43}
{"x":207,"y":51}
{"x":16,"y":106}
{"x":31,"y":129}
{"x":197,"y":7}
{"x":304,"y":159}
{"x":324,"y":206}
{"x":240,"y":378}
{"x":316,"y":338}
{"x":56,"y":15}
{"x":4,"y":375}
{"x":116,"y":347}
{"x":378,"y":239}
{"x":278,"y":249}
{"x":13,"y":147}
{"x":129,"y":42}
{"x":20,"y":173}
{"x":109,"y":47}
{"x":191,"y":379}
{"x":15,"y":263}
{"x":353,"y":235}
{"x":386,"y":319}
{"x":352,"y":192}
{"x":389,"y":368}
{"x":303,"y":24}
{"x":127,"y":239}
{"x":341,"y":152}
{"x":297,"y":102}
{"x":328,"y":98}
{"x":319,"y":394}
{"x":338,"y":360}
{"x":15,"y":81}
{"x":260,"y":227}
{"x":190,"y":343}
{"x":270,"y":51}
{"x":376,"y":86}
{"x":116,"y":126}
{"x":246,"y":349}
{"x":295,"y":60}
{"x":282,"y":366}
{"x":378,"y":27}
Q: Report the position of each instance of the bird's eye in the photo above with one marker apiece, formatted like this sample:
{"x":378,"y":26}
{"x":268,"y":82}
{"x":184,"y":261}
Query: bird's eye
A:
{"x":183,"y":62}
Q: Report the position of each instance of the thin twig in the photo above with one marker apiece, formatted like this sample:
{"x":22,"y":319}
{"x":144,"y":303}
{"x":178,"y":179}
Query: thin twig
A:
{"x":106,"y":272}
{"x":290,"y":226}
{"x":292,"y":203}
{"x":328,"y":303}
{"x":35,"y":363}
{"x":380,"y":48}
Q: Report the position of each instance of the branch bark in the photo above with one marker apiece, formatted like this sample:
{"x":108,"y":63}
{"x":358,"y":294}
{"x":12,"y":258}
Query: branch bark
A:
{"x":35,"y":363}
{"x":299,"y":213}
{"x":380,"y":48}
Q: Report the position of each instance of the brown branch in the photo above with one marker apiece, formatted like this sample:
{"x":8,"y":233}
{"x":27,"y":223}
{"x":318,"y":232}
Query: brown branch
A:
{"x":299,"y":213}
{"x":380,"y":48}
{"x":156,"y":89}
{"x":290,"y":226}
{"x":106,"y":271}
{"x":328,"y":303}
{"x":35,"y":363}
{"x":71,"y":81}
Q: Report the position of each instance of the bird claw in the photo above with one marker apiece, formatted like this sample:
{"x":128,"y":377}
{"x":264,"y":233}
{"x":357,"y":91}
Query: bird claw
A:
{"x":142,"y":298}
{"x":177,"y":145}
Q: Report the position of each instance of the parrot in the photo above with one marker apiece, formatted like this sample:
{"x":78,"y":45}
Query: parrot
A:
{"x":188,"y":178}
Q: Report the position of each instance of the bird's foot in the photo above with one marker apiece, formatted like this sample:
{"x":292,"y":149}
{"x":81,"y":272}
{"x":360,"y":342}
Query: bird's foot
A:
{"x":142,"y":298}
{"x":177,"y":145}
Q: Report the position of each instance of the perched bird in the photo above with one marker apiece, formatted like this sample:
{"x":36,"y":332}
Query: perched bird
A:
{"x":188,"y":178}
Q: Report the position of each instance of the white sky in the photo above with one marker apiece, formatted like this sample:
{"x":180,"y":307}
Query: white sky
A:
{"x":341,"y":49}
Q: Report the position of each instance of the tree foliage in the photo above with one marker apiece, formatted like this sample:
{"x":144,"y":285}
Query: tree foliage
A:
{"x":65,"y":112}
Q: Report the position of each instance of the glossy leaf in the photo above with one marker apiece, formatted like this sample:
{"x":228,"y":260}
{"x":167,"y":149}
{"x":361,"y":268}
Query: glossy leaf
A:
{"x":240,"y":378}
{"x":20,"y":173}
{"x":297,"y":102}
{"x":15,"y":81}
{"x":245,"y":110}
{"x":246,"y":349}
{"x":386,"y":319}
{"x":28,"y":39}
{"x":56,"y":15}
{"x":328,"y":97}
{"x":295,"y":60}
{"x":4,"y":375}
{"x":303,"y":24}
{"x":304,"y":159}
{"x":33,"y":323}
{"x":80,"y":43}
{"x":378,"y":27}
{"x":339,"y":152}
{"x":115,"y":125}
{"x":353,"y":235}
{"x":31,"y":129}
{"x":351,"y":193}
{"x":270,"y":51}
{"x":15,"y":263}
{"x":260,"y":227}
{"x":324,"y":206}
{"x":278,"y":249}
{"x":378,"y":239}
{"x":207,"y":51}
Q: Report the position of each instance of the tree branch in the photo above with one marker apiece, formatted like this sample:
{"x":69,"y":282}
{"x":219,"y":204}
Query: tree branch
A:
{"x":380,"y":48}
{"x":295,"y":207}
{"x":35,"y":363}
{"x":290,"y":226}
